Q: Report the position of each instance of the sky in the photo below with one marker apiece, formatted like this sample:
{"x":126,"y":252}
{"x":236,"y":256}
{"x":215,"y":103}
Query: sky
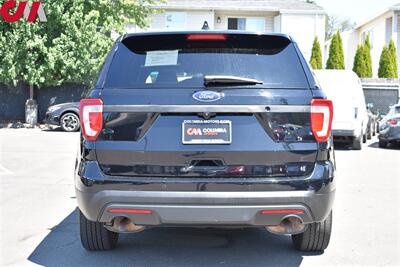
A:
{"x":356,"y":10}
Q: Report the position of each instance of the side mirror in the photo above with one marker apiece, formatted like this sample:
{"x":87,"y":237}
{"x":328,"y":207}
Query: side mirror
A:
{"x":370,"y":105}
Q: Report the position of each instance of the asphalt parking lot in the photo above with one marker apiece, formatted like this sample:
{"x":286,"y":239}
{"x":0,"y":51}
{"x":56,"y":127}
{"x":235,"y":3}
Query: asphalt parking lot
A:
{"x":39,"y":221}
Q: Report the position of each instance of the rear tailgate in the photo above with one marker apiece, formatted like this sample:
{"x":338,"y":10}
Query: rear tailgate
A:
{"x":145,"y":109}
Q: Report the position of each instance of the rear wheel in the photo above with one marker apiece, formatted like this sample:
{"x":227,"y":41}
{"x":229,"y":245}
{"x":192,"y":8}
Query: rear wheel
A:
{"x":364,"y":138}
{"x":382,"y":144}
{"x":316,"y":237}
{"x":94,"y":236}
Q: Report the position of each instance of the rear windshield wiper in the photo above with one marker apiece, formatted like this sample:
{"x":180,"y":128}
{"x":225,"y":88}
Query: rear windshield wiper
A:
{"x":229,"y":80}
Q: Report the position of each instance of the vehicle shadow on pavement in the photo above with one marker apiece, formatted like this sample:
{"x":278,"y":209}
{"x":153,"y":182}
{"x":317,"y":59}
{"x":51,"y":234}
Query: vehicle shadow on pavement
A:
{"x":342,"y":146}
{"x":170,"y":247}
{"x":390,"y":146}
{"x":53,"y":129}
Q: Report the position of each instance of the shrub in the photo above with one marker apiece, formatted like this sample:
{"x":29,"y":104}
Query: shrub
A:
{"x":368,"y":58}
{"x":336,"y":54}
{"x":393,"y":56}
{"x":316,"y":55}
{"x":386,"y":69}
{"x":360,"y":66}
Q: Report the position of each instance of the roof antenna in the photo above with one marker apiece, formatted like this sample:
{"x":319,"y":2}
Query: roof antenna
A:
{"x":205,"y":26}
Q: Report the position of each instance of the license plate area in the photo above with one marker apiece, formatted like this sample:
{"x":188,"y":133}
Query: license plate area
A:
{"x":207,"y":132}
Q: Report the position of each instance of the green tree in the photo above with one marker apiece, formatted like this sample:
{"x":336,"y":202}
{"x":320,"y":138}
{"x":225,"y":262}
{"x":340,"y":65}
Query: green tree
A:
{"x":360,"y":66}
{"x":368,"y":58}
{"x":363,"y":60}
{"x":393,"y":56}
{"x":70,"y":46}
{"x":316,"y":55}
{"x":386,"y":68}
{"x":336,"y":54}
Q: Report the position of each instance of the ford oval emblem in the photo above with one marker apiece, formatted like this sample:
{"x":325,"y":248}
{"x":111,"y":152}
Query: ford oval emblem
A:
{"x":207,"y":96}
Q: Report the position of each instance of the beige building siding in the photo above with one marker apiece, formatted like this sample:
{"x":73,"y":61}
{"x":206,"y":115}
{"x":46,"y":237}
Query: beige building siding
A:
{"x":269,"y":24}
{"x":194,"y":19}
{"x":377,"y":30}
{"x":382,"y":29}
{"x":303,"y":28}
{"x":223,"y":25}
{"x":157,"y":21}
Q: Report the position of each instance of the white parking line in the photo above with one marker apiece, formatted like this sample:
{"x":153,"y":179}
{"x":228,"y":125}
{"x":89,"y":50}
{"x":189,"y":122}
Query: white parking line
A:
{"x":4,"y":170}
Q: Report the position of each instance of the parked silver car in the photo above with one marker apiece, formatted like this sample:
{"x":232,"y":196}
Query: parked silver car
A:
{"x":389,"y":129}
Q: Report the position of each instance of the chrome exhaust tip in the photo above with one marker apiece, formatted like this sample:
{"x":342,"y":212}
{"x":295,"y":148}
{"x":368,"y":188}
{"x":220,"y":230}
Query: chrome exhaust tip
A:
{"x":125,"y":225}
{"x":289,"y":225}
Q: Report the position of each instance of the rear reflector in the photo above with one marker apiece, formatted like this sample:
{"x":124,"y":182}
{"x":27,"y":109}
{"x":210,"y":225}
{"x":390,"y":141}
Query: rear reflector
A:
{"x":130,"y":211}
{"x":288,"y":211}
{"x":206,"y":37}
{"x":321,"y":119}
{"x":91,"y":114}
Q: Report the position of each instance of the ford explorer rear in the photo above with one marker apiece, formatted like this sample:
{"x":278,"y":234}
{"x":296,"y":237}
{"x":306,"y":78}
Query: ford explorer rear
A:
{"x":206,"y":129}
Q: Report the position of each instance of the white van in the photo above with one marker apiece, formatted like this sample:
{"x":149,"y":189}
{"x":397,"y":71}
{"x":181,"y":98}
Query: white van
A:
{"x":350,"y":119}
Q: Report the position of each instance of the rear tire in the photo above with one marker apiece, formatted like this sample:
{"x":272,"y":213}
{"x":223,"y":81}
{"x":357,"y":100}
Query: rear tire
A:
{"x":364,"y":138}
{"x":382,"y":144}
{"x":70,"y":122}
{"x":315,"y":238}
{"x":94,"y":236}
{"x":357,"y":143}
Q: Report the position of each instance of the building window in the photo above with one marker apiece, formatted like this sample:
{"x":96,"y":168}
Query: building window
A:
{"x":388,"y":30}
{"x":246,"y":24}
{"x":236,"y":23}
{"x":175,"y":20}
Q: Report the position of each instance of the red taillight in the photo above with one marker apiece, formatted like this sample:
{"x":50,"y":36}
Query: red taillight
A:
{"x":392,"y":122}
{"x":91,"y":114}
{"x":130,"y":211}
{"x":285,"y":211}
{"x":321,"y":119}
{"x":206,"y":37}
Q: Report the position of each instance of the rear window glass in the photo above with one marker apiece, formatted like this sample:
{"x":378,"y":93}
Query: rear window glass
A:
{"x":173,"y":61}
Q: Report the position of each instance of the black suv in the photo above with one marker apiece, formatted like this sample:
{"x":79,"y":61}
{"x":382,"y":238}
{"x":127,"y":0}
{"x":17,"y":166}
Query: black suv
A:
{"x":206,"y":129}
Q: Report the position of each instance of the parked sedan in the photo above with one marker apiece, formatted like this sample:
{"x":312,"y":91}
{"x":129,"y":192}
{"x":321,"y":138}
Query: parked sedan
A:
{"x":389,"y":130}
{"x":64,"y":115}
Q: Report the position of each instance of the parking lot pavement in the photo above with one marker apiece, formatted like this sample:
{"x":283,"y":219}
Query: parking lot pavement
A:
{"x":39,"y":221}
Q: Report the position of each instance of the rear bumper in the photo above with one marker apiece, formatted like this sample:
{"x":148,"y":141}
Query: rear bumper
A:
{"x":205,"y":208}
{"x":236,"y":203}
{"x":390,"y":134}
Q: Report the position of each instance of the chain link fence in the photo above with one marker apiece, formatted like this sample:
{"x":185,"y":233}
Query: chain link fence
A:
{"x":382,"y":93}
